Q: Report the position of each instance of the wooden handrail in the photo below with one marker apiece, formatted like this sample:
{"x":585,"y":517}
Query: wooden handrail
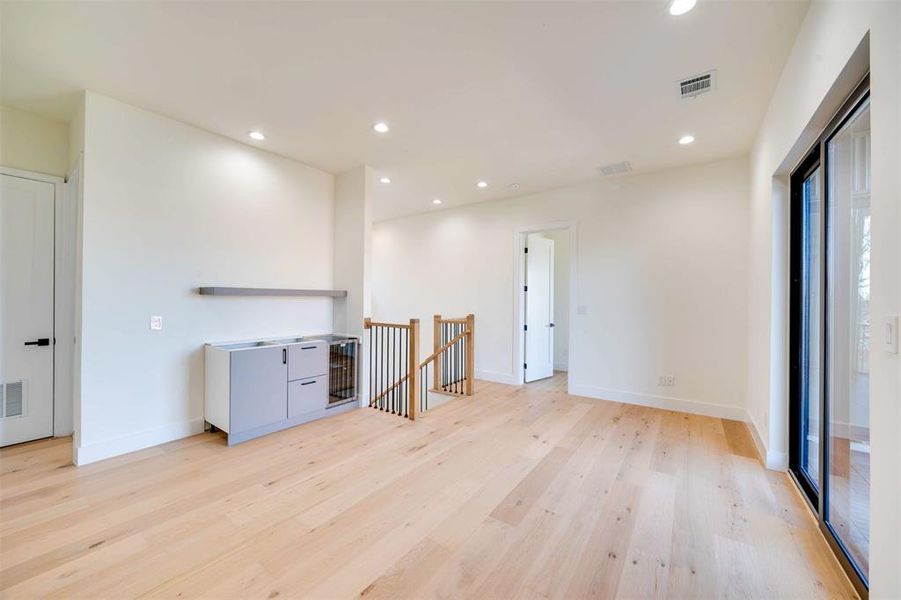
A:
{"x":386,"y":392}
{"x":368,"y":324}
{"x":435,"y":354}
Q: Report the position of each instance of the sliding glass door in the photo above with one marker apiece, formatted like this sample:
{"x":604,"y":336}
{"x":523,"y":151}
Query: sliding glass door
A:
{"x":830,"y":332}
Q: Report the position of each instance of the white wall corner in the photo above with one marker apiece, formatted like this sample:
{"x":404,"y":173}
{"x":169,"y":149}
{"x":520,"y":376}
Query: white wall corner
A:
{"x":352,"y":265}
{"x":774,"y":460}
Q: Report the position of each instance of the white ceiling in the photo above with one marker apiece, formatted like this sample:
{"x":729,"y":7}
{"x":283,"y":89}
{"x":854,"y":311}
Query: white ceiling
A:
{"x":534,"y":93}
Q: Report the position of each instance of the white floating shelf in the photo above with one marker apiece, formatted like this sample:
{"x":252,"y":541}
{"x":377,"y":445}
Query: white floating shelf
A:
{"x":243,"y":291}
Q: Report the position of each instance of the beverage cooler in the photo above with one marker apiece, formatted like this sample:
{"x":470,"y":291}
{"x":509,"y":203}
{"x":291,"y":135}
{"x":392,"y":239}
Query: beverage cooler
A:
{"x":342,"y":371}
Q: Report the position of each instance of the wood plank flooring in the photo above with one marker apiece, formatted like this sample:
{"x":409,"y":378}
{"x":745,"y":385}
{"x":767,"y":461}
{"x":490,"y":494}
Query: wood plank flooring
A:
{"x":517,"y":491}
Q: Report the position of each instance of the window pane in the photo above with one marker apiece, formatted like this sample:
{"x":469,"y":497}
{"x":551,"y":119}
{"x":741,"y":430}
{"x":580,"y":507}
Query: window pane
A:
{"x":811,"y":326}
{"x":848,"y":349}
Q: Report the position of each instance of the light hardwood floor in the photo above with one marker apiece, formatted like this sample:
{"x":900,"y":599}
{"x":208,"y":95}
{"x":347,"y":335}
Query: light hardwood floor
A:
{"x":514,"y":492}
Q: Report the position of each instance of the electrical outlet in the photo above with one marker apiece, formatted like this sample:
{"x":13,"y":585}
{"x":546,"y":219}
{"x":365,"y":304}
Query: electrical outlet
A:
{"x":156,"y":323}
{"x":666,"y":380}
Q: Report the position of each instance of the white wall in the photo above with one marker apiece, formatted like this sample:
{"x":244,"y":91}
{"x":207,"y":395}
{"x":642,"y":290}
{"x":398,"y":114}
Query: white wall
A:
{"x":33,"y":143}
{"x":168,"y":207}
{"x":662,"y":271}
{"x":820,"y":71}
{"x":353,"y":260}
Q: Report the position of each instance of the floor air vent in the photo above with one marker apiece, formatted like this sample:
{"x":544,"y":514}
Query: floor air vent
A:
{"x":615,"y":169}
{"x":11,"y":400}
{"x":696,"y":85}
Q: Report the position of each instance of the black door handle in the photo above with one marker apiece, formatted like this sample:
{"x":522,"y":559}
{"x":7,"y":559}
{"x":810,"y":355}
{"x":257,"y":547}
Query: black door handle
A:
{"x":39,"y":342}
{"x":550,"y":324}
{"x":284,"y":356}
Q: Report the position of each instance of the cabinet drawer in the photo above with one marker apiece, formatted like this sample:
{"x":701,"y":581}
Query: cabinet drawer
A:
{"x":307,"y":395}
{"x":307,"y":360}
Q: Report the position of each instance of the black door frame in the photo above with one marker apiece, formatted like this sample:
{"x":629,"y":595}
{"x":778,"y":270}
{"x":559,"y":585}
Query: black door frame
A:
{"x":818,"y":498}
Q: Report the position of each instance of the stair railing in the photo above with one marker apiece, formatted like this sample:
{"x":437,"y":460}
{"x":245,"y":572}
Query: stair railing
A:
{"x":399,"y":383}
{"x":393,"y":366}
{"x":452,"y":362}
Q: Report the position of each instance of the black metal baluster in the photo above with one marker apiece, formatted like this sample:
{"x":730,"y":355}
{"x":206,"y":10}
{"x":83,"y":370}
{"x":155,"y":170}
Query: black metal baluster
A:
{"x":457,"y":361}
{"x":406,"y":399}
{"x":378,"y":367}
{"x":446,"y":356}
{"x":378,"y":359}
{"x":382,"y":372}
{"x":454,"y":357}
{"x":391,"y":370}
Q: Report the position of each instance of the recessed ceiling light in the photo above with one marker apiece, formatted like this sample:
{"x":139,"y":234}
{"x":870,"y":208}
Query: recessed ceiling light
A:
{"x":686,"y":139}
{"x":680,"y":7}
{"x":482,"y":184}
{"x":436,"y":201}
{"x":385,"y":180}
{"x":380,"y":127}
{"x":256,"y":135}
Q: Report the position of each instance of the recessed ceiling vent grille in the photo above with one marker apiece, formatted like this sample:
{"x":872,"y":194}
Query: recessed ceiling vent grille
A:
{"x":11,"y":400}
{"x":615,"y":169}
{"x":696,"y":85}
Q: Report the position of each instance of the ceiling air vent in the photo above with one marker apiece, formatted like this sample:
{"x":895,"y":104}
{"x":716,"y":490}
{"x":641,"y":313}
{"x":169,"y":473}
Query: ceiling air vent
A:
{"x":696,"y":85}
{"x":615,"y":169}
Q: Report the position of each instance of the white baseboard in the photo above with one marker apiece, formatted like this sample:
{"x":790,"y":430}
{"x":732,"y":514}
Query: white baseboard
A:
{"x":776,"y":461}
{"x":497,"y":377}
{"x":136,"y":441}
{"x":561,"y":366}
{"x":694,"y":407}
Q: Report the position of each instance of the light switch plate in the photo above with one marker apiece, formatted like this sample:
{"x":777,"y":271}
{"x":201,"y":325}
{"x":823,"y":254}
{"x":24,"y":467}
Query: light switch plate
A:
{"x":582,"y":309}
{"x":156,"y":323}
{"x":888,"y":333}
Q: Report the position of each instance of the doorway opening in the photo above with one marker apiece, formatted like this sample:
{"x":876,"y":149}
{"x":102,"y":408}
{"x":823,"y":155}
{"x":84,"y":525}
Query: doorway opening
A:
{"x":545,"y":297}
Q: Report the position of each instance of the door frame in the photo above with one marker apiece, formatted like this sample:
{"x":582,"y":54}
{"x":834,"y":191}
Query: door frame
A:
{"x":520,"y":239}
{"x":60,"y":403}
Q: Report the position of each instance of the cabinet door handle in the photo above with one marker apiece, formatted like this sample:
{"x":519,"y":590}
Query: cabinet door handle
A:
{"x":308,"y":383}
{"x":284,"y":356}
{"x":308,"y":347}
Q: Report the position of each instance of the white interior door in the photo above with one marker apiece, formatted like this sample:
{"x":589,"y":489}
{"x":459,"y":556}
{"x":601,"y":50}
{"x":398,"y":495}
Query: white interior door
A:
{"x":26,"y":310}
{"x":539,"y":356}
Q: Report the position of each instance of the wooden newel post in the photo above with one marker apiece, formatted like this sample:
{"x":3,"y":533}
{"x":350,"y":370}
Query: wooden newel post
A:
{"x":414,"y":367}
{"x":436,"y":345}
{"x":470,"y":352}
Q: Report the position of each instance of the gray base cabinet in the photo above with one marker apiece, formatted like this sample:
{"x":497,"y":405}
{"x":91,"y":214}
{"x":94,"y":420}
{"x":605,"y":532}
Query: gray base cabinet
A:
{"x":259,"y":386}
{"x":255,"y":388}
